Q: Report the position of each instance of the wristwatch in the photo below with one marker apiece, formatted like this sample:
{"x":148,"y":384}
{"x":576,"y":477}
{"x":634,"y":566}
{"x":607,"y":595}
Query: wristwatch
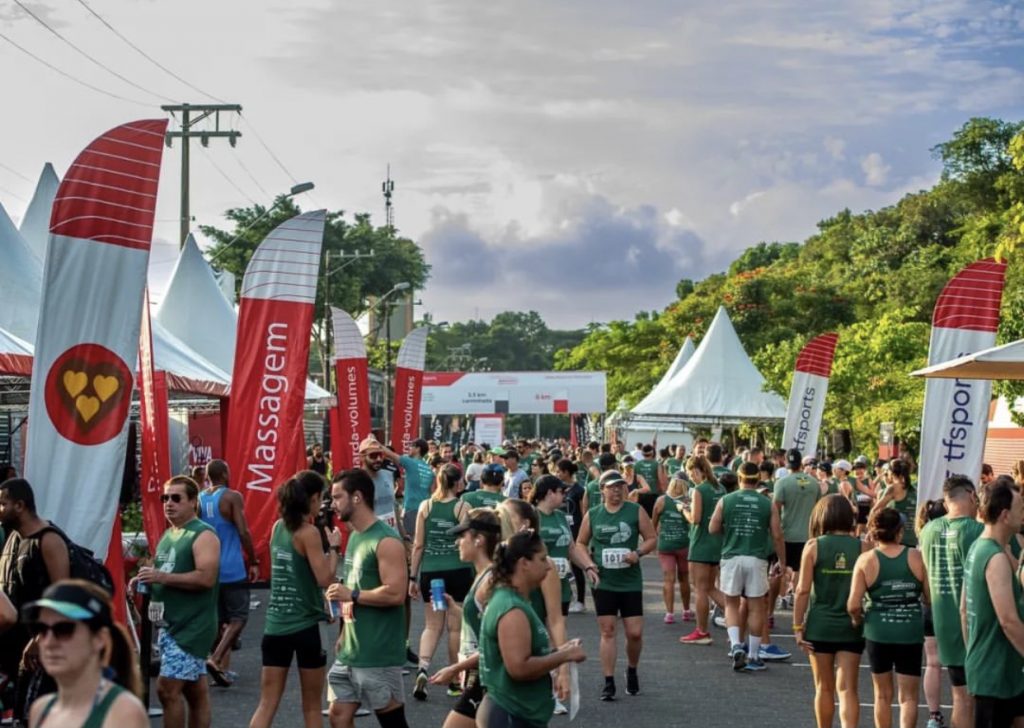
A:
{"x":355,"y":596}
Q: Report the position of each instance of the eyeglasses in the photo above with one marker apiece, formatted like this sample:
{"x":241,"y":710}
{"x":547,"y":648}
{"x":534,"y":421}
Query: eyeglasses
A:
{"x":175,"y":497}
{"x":61,"y":630}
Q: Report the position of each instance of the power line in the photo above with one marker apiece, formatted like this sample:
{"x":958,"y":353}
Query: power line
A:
{"x":145,"y":55}
{"x":15,"y":195}
{"x":209,"y":158}
{"x":263,"y":144}
{"x":15,"y":172}
{"x":85,"y":55}
{"x":252,"y":176}
{"x":77,"y":80}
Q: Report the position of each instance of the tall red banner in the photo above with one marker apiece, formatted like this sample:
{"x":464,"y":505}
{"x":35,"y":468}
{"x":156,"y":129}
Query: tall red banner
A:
{"x":87,"y":342}
{"x":156,"y":448}
{"x":405,"y":423}
{"x":265,"y":435}
{"x":350,"y":422}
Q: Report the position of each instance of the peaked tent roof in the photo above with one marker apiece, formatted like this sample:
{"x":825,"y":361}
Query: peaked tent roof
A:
{"x":21,"y":282}
{"x":35,"y":226}
{"x":719,"y":385}
{"x":999,"y":362}
{"x":682,"y":357}
{"x":194,"y":310}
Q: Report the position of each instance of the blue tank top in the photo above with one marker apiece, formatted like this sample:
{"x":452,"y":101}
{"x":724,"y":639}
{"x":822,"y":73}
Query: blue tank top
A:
{"x":232,"y":565}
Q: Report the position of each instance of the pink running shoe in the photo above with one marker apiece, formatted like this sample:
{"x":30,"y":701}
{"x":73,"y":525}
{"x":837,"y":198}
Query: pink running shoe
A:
{"x":670,"y":618}
{"x":688,"y":615}
{"x":696,"y":637}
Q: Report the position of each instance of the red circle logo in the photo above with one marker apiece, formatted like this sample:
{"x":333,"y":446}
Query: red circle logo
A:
{"x":87,"y":393}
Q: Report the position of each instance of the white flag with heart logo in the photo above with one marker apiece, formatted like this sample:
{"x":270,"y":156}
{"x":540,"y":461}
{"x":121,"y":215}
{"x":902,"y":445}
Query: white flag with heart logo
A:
{"x":87,"y":342}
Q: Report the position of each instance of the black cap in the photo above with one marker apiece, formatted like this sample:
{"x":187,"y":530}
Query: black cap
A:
{"x":474,"y":525}
{"x":794,"y":459}
{"x":71,"y":601}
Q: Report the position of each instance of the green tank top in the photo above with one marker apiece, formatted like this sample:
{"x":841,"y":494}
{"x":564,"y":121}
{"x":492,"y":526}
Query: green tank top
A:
{"x":1015,"y":547}
{"x":612,"y":536}
{"x":827,"y":619}
{"x":440,"y":552}
{"x":706,"y":547}
{"x":594,"y":496}
{"x":673,"y":531}
{"x":538,"y":604}
{"x":376,"y":635}
{"x":908,"y":508}
{"x":527,"y":700}
{"x":556,"y":534}
{"x":994,"y":668}
{"x":945,"y":543}
{"x":296,"y":601}
{"x":672,"y":466}
{"x":469,"y":637}
{"x":482,"y":498}
{"x":649,"y":470}
{"x":746,"y":520}
{"x":894,"y":602}
{"x":190,"y":615}
{"x":96,"y":716}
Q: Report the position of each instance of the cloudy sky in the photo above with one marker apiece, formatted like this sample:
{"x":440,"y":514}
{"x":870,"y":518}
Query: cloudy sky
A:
{"x":573,"y":157}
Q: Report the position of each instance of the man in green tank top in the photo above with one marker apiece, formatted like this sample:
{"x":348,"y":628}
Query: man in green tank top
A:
{"x":746,"y":520}
{"x":991,"y":613}
{"x":368,"y":667}
{"x":605,"y":462}
{"x":651,"y":470}
{"x":184,"y":597}
{"x":794,"y":496}
{"x":489,"y":495}
{"x":945,"y":543}
{"x":676,"y":462}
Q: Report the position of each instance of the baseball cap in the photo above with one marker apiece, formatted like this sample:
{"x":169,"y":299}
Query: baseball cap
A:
{"x":860,"y":462}
{"x":499,"y":451}
{"x":843,"y":465}
{"x":793,"y":458}
{"x":71,"y":601}
{"x":826,"y":466}
{"x":611,"y":477}
{"x":810,"y":460}
{"x":475,"y":525}
{"x":492,"y":474}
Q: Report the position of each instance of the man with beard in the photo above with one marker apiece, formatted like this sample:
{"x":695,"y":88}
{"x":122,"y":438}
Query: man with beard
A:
{"x":368,"y":668}
{"x":372,"y":454}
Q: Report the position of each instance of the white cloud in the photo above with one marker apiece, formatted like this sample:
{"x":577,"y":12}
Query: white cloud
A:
{"x":876,"y":171}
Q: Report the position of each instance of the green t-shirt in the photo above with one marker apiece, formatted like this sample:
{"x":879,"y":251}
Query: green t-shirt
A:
{"x":796,"y":494}
{"x":719,"y":471}
{"x":190,"y":615}
{"x":649,"y":470}
{"x":945,"y":543}
{"x":440,"y":552}
{"x":529,"y":700}
{"x":994,"y":668}
{"x":827,"y":619}
{"x":556,"y":534}
{"x":482,"y":498}
{"x":746,"y":521}
{"x":612,"y":536}
{"x":296,"y":601}
{"x":893,"y":611}
{"x":673,"y":530}
{"x":706,"y":547}
{"x":376,"y":635}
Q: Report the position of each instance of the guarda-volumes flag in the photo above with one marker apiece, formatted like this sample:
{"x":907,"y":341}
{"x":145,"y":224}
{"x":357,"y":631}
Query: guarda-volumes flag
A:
{"x":87,"y":343}
{"x":405,"y":423}
{"x":156,"y":444}
{"x":351,"y":423}
{"x":955,"y":419}
{"x":265,"y":437}
{"x":807,"y":393}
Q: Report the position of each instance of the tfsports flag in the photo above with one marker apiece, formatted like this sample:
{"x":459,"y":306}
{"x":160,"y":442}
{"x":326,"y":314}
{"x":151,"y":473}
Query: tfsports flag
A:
{"x":405,"y":424}
{"x":955,"y":418}
{"x":352,"y":415}
{"x":265,"y":437}
{"x":807,"y":394}
{"x":156,"y":448}
{"x":101,"y":227}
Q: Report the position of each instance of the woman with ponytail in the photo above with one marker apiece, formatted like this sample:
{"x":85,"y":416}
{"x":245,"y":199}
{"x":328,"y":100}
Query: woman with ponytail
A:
{"x":89,"y":657}
{"x":436,"y":556}
{"x":516,"y":658}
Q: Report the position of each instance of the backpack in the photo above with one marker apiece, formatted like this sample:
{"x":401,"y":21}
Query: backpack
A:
{"x":83,"y":563}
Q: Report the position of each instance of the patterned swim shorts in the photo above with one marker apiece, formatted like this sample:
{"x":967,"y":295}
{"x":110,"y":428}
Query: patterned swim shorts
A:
{"x":176,"y":664}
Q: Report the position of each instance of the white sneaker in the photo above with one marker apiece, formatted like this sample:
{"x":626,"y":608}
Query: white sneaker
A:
{"x":720,"y":621}
{"x":577,"y":608}
{"x":560,"y":708}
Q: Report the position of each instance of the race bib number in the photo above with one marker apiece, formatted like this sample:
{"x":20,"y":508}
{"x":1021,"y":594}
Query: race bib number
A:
{"x":389,"y":519}
{"x":156,"y":612}
{"x":562,"y":565}
{"x":615,"y":558}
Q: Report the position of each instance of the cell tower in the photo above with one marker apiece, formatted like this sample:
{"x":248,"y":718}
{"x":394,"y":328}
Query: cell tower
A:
{"x":388,"y":188}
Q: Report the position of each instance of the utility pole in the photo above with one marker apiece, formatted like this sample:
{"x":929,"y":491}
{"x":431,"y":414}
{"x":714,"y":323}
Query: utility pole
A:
{"x":202,"y":112}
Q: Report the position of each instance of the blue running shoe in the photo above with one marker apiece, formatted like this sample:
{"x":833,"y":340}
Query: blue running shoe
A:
{"x":754,"y":666}
{"x":772,"y":653}
{"x":739,"y":657}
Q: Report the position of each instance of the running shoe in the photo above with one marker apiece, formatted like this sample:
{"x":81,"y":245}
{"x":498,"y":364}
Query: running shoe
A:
{"x":560,"y":708}
{"x":577,"y":608}
{"x":454,"y":690}
{"x":936,"y":722}
{"x":688,"y":615}
{"x":608,"y":692}
{"x":754,"y":666}
{"x":419,"y":690}
{"x":696,"y":637}
{"x":772,"y":653}
{"x":632,"y":681}
{"x":363,"y":712}
{"x":669,"y":618}
{"x":739,"y":657}
{"x":743,"y":647}
{"x":411,"y":659}
{"x":719,"y":621}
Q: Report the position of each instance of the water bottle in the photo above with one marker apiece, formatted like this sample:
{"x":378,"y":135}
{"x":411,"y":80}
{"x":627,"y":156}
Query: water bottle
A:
{"x":437,"y":600}
{"x":141,"y":587}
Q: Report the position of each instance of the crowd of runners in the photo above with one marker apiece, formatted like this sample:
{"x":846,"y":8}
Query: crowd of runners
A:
{"x":497,"y":545}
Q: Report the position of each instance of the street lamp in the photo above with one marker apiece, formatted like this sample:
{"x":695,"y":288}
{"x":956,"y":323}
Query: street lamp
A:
{"x":295,"y":190}
{"x":404,"y":285}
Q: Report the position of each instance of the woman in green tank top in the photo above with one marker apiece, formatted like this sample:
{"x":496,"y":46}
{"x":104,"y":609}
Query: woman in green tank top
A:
{"x":901,"y":496}
{"x":705,"y":550}
{"x":516,"y":658}
{"x":299,"y":569}
{"x":548,"y":497}
{"x":435,"y":556}
{"x":821,"y":623}
{"x":477,"y":538}
{"x":889,"y":584}
{"x":673,"y":547}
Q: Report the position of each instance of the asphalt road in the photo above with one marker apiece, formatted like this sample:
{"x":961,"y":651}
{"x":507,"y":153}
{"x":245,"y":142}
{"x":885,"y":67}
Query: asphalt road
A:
{"x":680,"y":685}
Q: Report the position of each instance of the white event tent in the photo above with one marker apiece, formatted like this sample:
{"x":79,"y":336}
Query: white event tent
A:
{"x":718,"y":386}
{"x":682,"y":357}
{"x":999,"y":362}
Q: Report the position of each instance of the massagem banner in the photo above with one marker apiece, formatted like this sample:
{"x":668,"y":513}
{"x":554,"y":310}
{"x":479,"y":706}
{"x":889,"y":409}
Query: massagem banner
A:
{"x":516,"y":393}
{"x":101,"y":227}
{"x":405,"y":422}
{"x":265,"y":437}
{"x":955,"y":419}
{"x":807,"y":394}
{"x":351,"y":418}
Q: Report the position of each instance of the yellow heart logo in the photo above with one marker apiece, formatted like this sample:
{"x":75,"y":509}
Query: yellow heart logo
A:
{"x":74,"y":382}
{"x":105,"y":387}
{"x":87,"y":407}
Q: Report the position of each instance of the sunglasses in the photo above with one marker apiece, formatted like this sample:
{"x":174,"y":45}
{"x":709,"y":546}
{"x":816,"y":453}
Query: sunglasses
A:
{"x":373,"y":455}
{"x":176,"y":497}
{"x":61,"y":630}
